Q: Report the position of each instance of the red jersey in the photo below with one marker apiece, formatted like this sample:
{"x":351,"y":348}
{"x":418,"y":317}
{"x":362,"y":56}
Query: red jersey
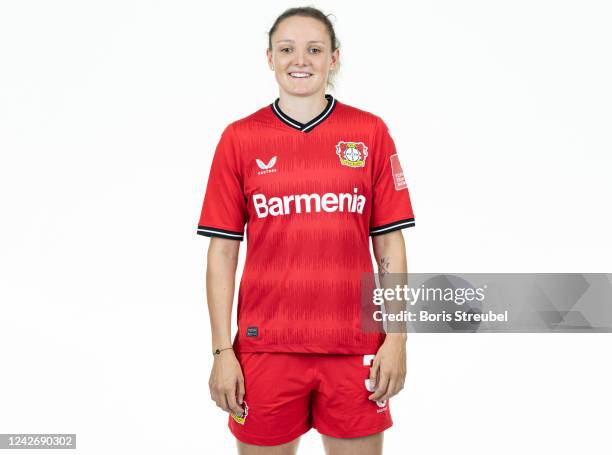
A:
{"x":310,"y":194}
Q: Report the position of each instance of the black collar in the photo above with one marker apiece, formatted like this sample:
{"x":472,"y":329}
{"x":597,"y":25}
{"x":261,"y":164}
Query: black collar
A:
{"x":305,"y":127}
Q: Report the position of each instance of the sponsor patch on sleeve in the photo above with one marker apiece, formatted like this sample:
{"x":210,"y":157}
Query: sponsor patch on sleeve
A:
{"x":398,"y":173}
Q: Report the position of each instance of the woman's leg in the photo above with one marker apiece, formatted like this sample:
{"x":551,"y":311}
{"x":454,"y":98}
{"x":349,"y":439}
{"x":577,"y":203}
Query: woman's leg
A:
{"x":367,"y":445}
{"x":289,"y":448}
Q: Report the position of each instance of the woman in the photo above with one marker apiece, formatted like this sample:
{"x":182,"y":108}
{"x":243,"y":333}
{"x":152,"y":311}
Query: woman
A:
{"x":312,"y":179}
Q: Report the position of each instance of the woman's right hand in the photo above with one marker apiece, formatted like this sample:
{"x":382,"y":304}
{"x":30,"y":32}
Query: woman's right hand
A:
{"x":226,"y":382}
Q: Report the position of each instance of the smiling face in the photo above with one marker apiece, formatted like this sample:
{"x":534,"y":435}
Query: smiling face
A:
{"x":302,"y":56}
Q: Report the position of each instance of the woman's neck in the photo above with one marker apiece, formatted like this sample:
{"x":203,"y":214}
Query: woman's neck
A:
{"x":302,"y":108}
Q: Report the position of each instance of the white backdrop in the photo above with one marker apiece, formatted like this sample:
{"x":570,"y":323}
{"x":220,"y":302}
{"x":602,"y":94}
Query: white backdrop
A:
{"x":109,"y":114}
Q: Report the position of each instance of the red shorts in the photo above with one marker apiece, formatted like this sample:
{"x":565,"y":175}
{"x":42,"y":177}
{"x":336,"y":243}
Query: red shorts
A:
{"x":287,"y":394}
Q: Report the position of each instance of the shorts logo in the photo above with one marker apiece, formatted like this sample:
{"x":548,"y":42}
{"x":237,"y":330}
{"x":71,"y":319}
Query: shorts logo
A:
{"x":398,"y":173}
{"x":352,"y":154}
{"x":266,"y":168}
{"x":241,"y":418}
{"x":252,"y":331}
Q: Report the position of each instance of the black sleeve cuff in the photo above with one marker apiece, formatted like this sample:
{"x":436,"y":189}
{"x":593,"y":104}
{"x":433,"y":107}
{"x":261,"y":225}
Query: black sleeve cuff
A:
{"x":386,"y":228}
{"x":222,"y":233}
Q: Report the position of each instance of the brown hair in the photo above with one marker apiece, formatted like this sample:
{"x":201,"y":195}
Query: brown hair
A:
{"x":314,"y":13}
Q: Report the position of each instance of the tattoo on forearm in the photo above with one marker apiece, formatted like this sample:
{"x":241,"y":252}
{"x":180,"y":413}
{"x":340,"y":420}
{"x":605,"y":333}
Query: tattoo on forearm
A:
{"x":383,"y":265}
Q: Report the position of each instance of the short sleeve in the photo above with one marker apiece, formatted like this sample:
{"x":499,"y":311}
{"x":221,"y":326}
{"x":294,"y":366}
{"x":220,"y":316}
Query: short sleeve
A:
{"x":224,"y":211}
{"x":391,"y":206}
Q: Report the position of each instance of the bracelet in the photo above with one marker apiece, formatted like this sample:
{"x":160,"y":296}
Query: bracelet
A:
{"x":218,"y":351}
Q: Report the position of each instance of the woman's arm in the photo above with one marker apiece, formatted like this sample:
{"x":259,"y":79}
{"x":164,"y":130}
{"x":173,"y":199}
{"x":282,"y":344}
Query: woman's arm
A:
{"x":226,"y":381}
{"x":388,"y":370}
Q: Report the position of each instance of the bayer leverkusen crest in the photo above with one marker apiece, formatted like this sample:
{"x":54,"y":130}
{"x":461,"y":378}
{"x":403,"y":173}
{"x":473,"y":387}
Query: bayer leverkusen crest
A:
{"x":352,"y":154}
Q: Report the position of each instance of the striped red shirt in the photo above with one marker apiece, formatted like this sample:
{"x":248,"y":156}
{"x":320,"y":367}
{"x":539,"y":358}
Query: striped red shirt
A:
{"x":310,"y":196}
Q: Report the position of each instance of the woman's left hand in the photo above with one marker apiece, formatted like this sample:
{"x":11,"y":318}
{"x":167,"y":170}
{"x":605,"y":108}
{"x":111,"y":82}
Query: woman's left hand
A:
{"x":388,"y":371}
